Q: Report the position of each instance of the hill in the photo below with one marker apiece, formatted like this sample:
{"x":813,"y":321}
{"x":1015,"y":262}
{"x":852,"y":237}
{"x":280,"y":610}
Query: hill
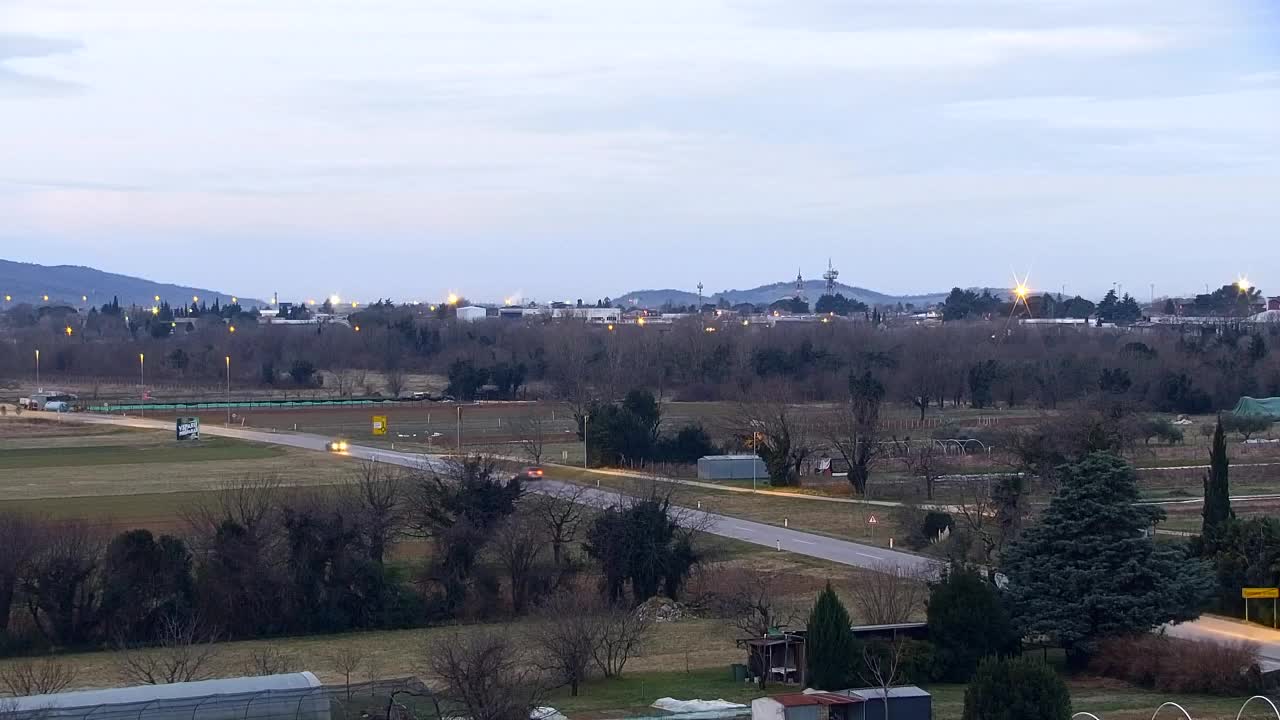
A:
{"x":765,"y":294}
{"x":28,"y":282}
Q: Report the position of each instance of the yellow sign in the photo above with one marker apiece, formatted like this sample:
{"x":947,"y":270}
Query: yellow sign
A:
{"x":379,"y":424}
{"x":1259,"y":593}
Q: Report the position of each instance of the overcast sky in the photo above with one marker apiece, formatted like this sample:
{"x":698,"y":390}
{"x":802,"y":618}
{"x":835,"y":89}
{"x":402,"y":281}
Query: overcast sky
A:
{"x":581,"y":148}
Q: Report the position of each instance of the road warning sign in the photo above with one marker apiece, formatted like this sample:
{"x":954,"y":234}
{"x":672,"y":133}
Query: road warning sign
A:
{"x":871,"y":520}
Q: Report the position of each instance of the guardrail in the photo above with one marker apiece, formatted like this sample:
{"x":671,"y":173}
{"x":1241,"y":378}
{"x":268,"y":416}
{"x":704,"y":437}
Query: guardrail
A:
{"x":222,"y":405}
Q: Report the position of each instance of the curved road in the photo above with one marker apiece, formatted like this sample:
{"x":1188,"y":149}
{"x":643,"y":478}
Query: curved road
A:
{"x":801,"y":543}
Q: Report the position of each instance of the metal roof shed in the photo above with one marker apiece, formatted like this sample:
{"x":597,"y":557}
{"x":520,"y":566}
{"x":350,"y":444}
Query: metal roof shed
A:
{"x":805,"y":706}
{"x":292,"y":696}
{"x":732,"y":467}
{"x":905,"y":703}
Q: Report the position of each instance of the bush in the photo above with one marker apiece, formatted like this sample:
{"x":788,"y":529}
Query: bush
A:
{"x":916,"y":663}
{"x":1246,"y":425}
{"x":1174,"y":665}
{"x":1017,"y":689}
{"x":967,"y":622}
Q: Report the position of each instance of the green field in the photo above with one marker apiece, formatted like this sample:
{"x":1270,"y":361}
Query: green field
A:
{"x":210,"y":449}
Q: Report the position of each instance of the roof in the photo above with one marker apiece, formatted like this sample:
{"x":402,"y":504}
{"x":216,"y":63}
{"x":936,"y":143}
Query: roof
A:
{"x":905,"y":691}
{"x":173,"y":691}
{"x":893,"y":626}
{"x":815,"y":698}
{"x":717,"y":458}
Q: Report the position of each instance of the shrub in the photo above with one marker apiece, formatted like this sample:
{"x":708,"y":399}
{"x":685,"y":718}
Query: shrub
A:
{"x":1179,"y":666}
{"x":829,"y":650}
{"x":1017,"y":689}
{"x":967,"y":622}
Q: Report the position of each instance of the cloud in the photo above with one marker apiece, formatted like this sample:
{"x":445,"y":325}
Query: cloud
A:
{"x":15,"y":47}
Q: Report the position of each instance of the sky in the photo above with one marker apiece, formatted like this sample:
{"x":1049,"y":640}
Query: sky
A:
{"x":583,"y":148}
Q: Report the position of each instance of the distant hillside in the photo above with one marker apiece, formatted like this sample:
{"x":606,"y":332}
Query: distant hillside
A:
{"x":27,"y":282}
{"x":765,"y":294}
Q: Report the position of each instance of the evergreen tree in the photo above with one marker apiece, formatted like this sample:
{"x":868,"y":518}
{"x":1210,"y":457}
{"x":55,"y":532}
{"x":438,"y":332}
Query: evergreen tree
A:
{"x":829,"y":646}
{"x":1018,"y":689}
{"x":1217,"y":494}
{"x":967,"y":623}
{"x":1090,"y":570}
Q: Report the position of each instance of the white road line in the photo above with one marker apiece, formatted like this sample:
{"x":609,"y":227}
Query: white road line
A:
{"x":743,"y":529}
{"x":804,"y":542}
{"x":874,"y":557}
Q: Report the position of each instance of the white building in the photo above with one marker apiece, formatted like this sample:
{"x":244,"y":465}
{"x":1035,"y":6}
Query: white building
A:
{"x":472,"y":313}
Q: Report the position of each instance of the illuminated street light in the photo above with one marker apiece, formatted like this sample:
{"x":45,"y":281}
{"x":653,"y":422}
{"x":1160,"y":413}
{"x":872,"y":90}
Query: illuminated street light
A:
{"x":84,"y":298}
{"x":231,"y":329}
{"x":452,"y":299}
{"x":8,"y":298}
{"x":640,"y":321}
{"x":155,"y":310}
{"x":334,"y":299}
{"x":157,"y":298}
{"x":195,"y":298}
{"x":235,"y":300}
{"x":68,"y":331}
{"x":46,"y":298}
{"x":1243,"y":284}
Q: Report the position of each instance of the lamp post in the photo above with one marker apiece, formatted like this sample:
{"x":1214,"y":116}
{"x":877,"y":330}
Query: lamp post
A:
{"x":585,"y":418}
{"x":38,"y":371}
{"x":228,"y":391}
{"x":458,"y":432}
{"x":142,"y":382}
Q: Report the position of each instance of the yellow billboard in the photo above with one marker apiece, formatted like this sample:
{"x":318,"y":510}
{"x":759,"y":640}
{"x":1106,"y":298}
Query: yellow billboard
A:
{"x":379,"y":424}
{"x":1259,"y":593}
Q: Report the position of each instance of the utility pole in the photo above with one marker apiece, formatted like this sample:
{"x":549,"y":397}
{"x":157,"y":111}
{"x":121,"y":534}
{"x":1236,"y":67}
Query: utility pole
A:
{"x":585,"y":418}
{"x":458,"y":432}
{"x":228,"y":391}
{"x":38,"y":371}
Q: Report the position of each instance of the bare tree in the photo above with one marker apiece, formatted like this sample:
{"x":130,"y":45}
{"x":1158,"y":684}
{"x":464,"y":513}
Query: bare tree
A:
{"x":346,"y":660}
{"x":531,"y":431}
{"x":250,"y":502}
{"x":922,"y":459}
{"x":61,"y":583}
{"x":20,"y":537}
{"x":517,"y":544}
{"x":890,"y":594}
{"x":855,"y":429}
{"x":881,"y":666}
{"x":561,"y":514}
{"x":622,"y":635}
{"x":377,"y":497}
{"x":183,"y":653}
{"x":269,"y":660}
{"x":991,"y":512}
{"x":753,"y":603}
{"x":395,"y":380}
{"x":485,"y":675}
{"x":36,"y":677}
{"x":566,"y":634}
{"x":781,"y":436}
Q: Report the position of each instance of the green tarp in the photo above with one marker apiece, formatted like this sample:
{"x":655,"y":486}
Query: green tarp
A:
{"x":1258,"y":406}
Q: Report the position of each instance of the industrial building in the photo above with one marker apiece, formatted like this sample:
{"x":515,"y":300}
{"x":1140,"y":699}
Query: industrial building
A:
{"x":732,"y":467}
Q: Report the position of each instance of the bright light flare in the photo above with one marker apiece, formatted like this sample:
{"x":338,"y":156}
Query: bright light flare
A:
{"x":334,"y":299}
{"x":451,"y":299}
{"x":1243,"y":284}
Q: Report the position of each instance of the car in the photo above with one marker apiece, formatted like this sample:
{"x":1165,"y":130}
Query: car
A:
{"x":336,"y":446}
{"x":530,"y":473}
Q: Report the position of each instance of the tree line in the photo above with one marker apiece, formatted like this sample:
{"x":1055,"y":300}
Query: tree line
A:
{"x":392,"y":548}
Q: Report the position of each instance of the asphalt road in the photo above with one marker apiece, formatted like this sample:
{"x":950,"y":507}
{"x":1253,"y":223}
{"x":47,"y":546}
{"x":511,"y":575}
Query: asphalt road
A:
{"x":801,"y":543}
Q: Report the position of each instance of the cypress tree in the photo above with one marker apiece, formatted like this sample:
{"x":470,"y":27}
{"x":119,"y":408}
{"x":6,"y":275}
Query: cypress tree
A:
{"x":1217,"y":493}
{"x":829,"y":643}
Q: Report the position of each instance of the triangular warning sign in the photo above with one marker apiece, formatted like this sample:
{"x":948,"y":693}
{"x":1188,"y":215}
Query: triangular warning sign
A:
{"x":871,"y":520}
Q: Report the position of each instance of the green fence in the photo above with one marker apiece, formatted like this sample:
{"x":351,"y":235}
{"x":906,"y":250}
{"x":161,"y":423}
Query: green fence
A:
{"x":177,"y":407}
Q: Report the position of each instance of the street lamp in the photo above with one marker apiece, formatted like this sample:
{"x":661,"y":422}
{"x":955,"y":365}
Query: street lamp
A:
{"x":38,"y":370}
{"x":228,"y":391}
{"x":142,"y":379}
{"x":585,"y":418}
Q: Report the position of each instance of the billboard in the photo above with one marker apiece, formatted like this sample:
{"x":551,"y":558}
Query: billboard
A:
{"x":379,"y":424}
{"x":188,"y":428}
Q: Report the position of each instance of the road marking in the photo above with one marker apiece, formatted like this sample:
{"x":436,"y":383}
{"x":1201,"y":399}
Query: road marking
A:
{"x":743,"y":529}
{"x":805,"y":542}
{"x":873,"y":557}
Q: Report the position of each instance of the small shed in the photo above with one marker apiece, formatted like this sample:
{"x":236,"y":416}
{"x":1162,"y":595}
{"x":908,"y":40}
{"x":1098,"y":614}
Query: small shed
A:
{"x":777,"y":656}
{"x":806,"y":706}
{"x":732,"y":467}
{"x":905,"y":703}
